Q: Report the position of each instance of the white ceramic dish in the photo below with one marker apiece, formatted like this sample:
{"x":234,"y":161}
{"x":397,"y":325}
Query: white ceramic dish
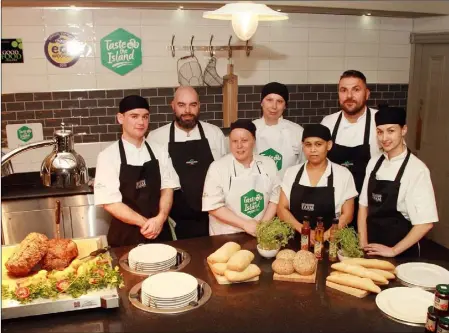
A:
{"x":267,"y":253}
{"x":169,"y":284}
{"x":422,"y":274}
{"x":152,"y":253}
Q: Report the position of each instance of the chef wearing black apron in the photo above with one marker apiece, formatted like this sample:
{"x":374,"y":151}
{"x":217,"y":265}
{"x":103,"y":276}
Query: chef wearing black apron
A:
{"x":353,"y":129}
{"x":193,"y":145}
{"x":131,"y":191}
{"x":332,"y":195}
{"x":397,"y":185}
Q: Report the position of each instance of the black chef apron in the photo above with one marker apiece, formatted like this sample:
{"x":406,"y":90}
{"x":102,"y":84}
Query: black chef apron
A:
{"x":140,"y":187}
{"x":385,"y":224}
{"x":354,"y":158}
{"x":191,"y":160}
{"x":313,"y":201}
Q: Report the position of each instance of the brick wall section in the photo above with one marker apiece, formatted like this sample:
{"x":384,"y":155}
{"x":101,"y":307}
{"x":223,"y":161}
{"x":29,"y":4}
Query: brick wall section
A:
{"x":94,"y":112}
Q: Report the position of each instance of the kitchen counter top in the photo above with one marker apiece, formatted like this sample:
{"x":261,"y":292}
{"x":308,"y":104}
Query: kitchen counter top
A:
{"x":263,"y":306}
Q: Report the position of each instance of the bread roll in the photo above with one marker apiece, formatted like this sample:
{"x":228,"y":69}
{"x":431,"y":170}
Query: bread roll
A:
{"x":371,"y":263}
{"x":218,"y":268}
{"x":283,"y":266}
{"x":359,"y":271}
{"x":223,"y":254}
{"x":240,"y":260}
{"x":354,"y":282}
{"x":304,"y":262}
{"x":286,"y":254}
{"x":250,"y":272}
{"x":386,"y":274}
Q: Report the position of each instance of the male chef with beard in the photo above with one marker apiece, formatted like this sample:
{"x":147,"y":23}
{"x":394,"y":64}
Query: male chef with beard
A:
{"x":193,"y":145}
{"x":353,"y":129}
{"x":134,"y":180}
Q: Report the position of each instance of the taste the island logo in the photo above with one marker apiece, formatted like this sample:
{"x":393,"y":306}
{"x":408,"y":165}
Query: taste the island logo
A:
{"x":121,"y":51}
{"x":275,"y":156}
{"x":25,"y":133}
{"x":252,"y":203}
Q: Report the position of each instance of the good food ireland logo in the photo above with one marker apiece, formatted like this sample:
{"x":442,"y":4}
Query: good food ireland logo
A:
{"x":252,"y":203}
{"x":121,"y":51}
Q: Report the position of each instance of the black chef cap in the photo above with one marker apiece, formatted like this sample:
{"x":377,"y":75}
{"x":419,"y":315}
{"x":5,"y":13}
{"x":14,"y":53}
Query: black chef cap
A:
{"x":390,"y":115}
{"x":275,"y":88}
{"x":132,"y":102}
{"x":316,"y":131}
{"x":245,"y":124}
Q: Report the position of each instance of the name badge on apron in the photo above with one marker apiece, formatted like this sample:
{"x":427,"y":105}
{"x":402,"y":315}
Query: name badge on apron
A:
{"x":141,"y":184}
{"x":308,"y":207}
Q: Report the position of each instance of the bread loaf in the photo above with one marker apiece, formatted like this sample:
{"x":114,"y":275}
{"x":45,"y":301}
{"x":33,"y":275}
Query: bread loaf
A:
{"x":240,"y":260}
{"x":359,"y":271}
{"x":304,"y":262}
{"x":286,"y":254}
{"x":250,"y":272}
{"x":354,"y":282}
{"x":223,"y":254}
{"x":371,"y":263}
{"x":283,"y":266}
{"x":386,"y":274}
{"x":219,"y":268}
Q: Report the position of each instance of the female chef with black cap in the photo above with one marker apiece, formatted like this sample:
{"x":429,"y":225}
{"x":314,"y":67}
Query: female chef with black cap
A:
{"x":242,"y":188}
{"x":134,"y":181}
{"x":397,"y":203}
{"x":278,"y":138}
{"x":318,"y":187}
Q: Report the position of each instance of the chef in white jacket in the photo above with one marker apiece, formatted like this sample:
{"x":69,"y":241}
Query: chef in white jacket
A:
{"x":278,"y":138}
{"x":242,"y":188}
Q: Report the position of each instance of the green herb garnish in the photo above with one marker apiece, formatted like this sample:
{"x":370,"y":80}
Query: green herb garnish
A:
{"x":348,"y":241}
{"x":274,"y":234}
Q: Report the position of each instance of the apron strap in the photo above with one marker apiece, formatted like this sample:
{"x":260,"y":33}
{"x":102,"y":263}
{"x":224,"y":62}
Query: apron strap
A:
{"x":299,"y":175}
{"x":367,"y":127}
{"x":337,"y":125}
{"x":172,"y":132}
{"x":235,"y":172}
{"x":200,"y":127}
{"x":122,"y":152}
{"x":153,"y":158}
{"x":404,"y":164}
{"x":377,"y":166}
{"x":330,"y":179}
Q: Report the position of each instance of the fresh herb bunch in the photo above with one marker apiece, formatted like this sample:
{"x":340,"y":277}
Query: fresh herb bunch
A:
{"x":348,"y":241}
{"x":273,"y":234}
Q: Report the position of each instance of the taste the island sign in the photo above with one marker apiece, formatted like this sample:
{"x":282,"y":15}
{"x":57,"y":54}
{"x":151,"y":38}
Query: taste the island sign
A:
{"x":121,"y":51}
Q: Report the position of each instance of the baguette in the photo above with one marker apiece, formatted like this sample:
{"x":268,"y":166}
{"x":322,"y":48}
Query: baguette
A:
{"x":359,"y":271}
{"x":218,"y":268}
{"x":386,"y":274}
{"x":354,"y":282}
{"x":240,"y":260}
{"x":371,"y":263}
{"x":250,"y":272}
{"x":341,"y":273}
{"x":223,"y":254}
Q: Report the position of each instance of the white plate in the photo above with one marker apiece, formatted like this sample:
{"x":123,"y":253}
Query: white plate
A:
{"x":422,"y":274}
{"x":406,"y":304}
{"x":152,"y":253}
{"x":169,"y":284}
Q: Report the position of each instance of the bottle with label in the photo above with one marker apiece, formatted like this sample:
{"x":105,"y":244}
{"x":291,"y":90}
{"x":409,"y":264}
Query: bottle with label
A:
{"x":431,"y":322}
{"x":305,"y":234}
{"x":333,"y":241}
{"x":319,"y":238}
{"x":443,"y":325}
{"x":441,"y":302}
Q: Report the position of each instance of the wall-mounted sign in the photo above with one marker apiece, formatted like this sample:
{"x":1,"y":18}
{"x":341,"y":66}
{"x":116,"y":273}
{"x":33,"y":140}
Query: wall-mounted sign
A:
{"x":12,"y":51}
{"x":62,"y":49}
{"x":121,"y":51}
{"x":23,"y":134}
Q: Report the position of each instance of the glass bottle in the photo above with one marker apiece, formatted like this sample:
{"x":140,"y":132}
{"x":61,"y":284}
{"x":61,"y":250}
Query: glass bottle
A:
{"x":333,"y":241}
{"x":319,"y":239}
{"x":305,"y":234}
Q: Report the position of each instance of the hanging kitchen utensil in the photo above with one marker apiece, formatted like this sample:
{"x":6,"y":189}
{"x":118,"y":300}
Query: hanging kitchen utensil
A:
{"x":230,"y":92}
{"x":189,"y":69}
{"x":211,"y":77}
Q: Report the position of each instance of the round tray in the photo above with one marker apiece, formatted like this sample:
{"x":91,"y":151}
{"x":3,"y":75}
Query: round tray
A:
{"x":182,"y":260}
{"x":204,"y":294}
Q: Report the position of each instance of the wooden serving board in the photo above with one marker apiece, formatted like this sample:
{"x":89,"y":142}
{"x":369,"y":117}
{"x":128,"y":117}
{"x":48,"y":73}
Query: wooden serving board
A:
{"x":295,"y":277}
{"x":347,"y":290}
{"x":221,"y":279}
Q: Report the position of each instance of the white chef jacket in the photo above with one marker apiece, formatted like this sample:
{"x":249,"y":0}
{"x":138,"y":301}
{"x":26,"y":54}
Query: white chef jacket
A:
{"x":343,"y":182}
{"x":352,"y":134}
{"x":213,"y":134}
{"x":416,"y":198}
{"x":216,"y":186}
{"x":293,"y":140}
{"x":107,"y":183}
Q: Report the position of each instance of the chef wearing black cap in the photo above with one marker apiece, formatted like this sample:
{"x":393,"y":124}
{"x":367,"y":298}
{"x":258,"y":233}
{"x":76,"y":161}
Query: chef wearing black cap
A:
{"x":318,"y":187}
{"x":397,"y":202}
{"x":277,"y":138}
{"x":242,"y":188}
{"x":134,"y":181}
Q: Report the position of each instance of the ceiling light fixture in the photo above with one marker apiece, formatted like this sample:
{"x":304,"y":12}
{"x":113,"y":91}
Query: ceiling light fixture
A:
{"x":368,"y":14}
{"x":181,"y":7}
{"x":245,"y":17}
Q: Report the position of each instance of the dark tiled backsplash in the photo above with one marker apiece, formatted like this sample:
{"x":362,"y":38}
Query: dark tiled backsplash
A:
{"x":93,"y":112}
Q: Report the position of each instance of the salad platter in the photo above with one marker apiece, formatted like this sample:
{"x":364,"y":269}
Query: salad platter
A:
{"x":89,"y":281}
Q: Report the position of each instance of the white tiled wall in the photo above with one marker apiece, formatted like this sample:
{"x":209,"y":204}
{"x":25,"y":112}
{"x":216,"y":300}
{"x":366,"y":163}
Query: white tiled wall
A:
{"x":431,"y":24}
{"x":307,"y":48}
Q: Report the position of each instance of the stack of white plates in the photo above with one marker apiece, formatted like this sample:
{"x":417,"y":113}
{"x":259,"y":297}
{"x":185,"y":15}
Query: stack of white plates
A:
{"x":422,"y":274}
{"x":152,"y":258}
{"x":169,"y":290}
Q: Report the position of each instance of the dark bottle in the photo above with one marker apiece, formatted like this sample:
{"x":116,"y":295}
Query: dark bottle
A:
{"x":432,"y":320}
{"x":443,"y":325}
{"x":441,"y":302}
{"x":305,"y":234}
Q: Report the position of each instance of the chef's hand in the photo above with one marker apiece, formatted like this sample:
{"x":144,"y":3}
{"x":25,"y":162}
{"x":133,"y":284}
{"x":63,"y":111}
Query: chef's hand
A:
{"x":374,"y":249}
{"x":152,"y":227}
{"x":250,"y":227}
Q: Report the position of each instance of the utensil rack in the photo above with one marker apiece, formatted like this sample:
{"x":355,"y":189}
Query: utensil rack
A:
{"x":210,"y":48}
